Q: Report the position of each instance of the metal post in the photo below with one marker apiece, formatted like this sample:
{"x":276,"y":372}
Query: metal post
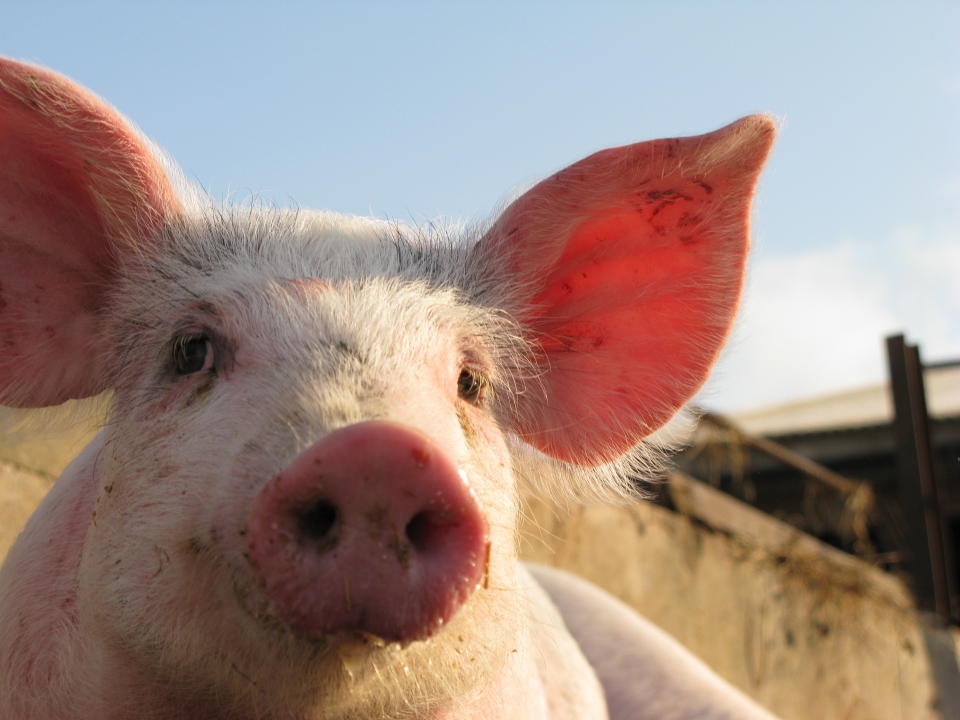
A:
{"x":919,"y":491}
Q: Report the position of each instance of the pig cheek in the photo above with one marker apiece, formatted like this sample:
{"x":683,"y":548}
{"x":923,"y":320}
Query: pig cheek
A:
{"x":487,"y":452}
{"x":489,"y":474}
{"x":131,"y":552}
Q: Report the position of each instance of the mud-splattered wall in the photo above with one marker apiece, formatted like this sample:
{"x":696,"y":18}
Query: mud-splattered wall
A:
{"x":811,"y":633}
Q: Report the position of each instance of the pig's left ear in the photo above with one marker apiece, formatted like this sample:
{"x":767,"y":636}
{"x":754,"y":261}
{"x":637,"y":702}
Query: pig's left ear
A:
{"x":631,"y":263}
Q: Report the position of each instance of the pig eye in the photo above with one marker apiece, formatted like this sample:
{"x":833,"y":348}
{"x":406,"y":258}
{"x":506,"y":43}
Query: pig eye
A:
{"x":471,"y":386}
{"x":191,"y":354}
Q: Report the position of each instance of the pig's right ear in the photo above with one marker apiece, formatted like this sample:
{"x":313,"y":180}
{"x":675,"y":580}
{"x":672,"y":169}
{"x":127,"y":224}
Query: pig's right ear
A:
{"x":75,"y":180}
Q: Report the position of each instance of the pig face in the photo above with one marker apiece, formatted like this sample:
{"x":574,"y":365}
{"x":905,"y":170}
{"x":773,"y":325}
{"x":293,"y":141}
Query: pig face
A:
{"x":297,"y":339}
{"x":304,"y":502}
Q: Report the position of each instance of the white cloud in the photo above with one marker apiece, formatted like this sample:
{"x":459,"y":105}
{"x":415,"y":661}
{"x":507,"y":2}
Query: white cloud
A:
{"x":814,"y":322}
{"x":950,"y":189}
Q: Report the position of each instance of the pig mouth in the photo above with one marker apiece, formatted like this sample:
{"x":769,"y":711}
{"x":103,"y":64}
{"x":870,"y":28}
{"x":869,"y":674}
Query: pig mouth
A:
{"x":349,"y":645}
{"x":268,"y":658}
{"x":354,"y":648}
{"x":351,"y":656}
{"x":253,"y":603}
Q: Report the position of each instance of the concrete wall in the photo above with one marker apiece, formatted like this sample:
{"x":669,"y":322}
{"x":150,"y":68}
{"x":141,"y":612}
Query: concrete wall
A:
{"x":808,"y":631}
{"x":29,"y":464}
{"x":20,"y":492}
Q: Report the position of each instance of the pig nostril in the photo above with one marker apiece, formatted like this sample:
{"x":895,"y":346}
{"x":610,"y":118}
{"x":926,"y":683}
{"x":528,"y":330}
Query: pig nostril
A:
{"x":318,"y":521}
{"x":423,"y":531}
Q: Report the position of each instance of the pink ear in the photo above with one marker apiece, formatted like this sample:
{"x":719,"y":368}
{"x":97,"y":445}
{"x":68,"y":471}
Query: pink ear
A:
{"x":75,"y":179}
{"x":633,"y":259}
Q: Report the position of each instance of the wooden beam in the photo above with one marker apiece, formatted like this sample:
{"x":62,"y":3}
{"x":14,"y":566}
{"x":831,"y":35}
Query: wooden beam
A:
{"x":920,"y":493}
{"x":793,"y":459}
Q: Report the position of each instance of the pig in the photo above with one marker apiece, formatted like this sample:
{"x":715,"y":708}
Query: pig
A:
{"x":304,"y":503}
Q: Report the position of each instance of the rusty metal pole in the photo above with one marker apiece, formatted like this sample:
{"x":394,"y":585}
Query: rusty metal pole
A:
{"x":920,"y":493}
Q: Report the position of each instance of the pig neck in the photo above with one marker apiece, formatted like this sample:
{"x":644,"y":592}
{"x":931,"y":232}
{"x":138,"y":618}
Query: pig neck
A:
{"x":527,"y":687}
{"x":59,"y":661}
{"x":40,"y":636}
{"x":515,"y":693}
{"x":546,"y":677}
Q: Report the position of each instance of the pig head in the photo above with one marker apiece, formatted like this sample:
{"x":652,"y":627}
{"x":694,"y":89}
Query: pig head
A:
{"x":304,"y":502}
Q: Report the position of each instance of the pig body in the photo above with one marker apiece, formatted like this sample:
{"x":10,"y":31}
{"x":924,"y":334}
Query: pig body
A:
{"x":304,"y":504}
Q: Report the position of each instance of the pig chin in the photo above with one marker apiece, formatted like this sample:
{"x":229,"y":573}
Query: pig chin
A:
{"x":241,"y":664}
{"x":354,"y":674}
{"x":247,"y":658}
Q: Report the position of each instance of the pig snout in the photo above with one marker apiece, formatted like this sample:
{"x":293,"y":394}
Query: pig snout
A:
{"x":372,"y":529}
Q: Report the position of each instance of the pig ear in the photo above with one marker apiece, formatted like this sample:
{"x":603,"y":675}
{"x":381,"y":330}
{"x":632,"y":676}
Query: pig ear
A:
{"x":631,"y":261}
{"x":75,"y":180}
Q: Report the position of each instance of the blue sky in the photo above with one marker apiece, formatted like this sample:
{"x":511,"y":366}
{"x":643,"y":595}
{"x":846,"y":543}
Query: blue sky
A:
{"x":421,"y":110}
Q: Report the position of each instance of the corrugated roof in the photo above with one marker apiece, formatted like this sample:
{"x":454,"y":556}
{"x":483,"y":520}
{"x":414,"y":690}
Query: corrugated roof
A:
{"x":858,"y":407}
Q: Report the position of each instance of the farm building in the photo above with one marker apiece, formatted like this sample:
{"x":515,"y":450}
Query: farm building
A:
{"x":857,"y":500}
